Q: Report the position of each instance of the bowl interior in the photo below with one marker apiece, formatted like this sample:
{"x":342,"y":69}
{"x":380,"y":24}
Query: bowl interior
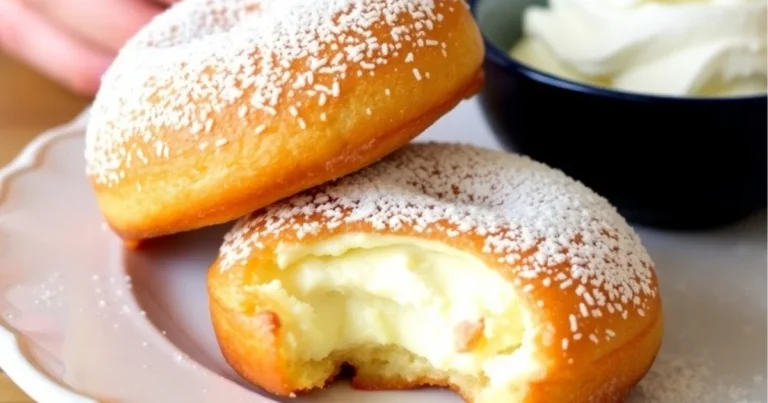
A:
{"x":501,"y":21}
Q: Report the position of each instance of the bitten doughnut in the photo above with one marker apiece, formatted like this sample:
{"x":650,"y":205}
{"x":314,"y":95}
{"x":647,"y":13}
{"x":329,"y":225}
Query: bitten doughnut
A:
{"x":218,"y":108}
{"x":444,"y":265}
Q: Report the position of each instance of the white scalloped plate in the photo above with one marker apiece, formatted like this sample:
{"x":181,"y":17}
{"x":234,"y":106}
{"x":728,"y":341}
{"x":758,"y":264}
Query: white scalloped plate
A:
{"x":83,"y":320}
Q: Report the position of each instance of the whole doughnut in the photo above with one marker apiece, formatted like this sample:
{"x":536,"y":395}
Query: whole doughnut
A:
{"x":218,"y":108}
{"x":441,"y":265}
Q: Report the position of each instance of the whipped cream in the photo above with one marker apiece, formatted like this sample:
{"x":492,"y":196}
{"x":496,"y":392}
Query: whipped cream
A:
{"x":672,"y":47}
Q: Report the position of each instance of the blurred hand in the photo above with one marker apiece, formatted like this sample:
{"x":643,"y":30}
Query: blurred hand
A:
{"x":72,"y":41}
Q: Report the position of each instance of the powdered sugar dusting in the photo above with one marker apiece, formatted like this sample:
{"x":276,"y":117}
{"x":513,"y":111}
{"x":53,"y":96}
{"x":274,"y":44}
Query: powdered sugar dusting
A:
{"x":531,"y":217}
{"x":202,"y":56}
{"x":688,"y":379}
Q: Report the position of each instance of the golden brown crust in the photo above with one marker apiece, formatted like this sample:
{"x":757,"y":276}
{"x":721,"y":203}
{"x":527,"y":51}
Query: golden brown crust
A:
{"x":596,"y":322}
{"x":243,"y":337}
{"x":378,"y":383}
{"x":610,"y":378}
{"x":184,"y":186}
{"x":270,"y":178}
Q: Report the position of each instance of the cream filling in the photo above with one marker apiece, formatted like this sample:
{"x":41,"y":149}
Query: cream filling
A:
{"x":363,"y":290}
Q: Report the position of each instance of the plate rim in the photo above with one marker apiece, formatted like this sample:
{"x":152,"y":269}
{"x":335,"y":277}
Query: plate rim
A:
{"x":13,"y":361}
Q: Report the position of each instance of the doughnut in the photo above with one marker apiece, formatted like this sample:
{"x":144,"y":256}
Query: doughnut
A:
{"x":218,"y":108}
{"x":441,"y":265}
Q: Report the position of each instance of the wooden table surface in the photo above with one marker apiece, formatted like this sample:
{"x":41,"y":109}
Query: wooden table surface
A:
{"x":29,"y":104}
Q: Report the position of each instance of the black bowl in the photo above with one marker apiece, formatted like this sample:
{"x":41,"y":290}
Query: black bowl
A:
{"x":665,"y":162}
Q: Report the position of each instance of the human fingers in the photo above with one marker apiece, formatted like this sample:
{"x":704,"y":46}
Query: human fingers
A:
{"x":106,"y":24}
{"x":26,"y":35}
